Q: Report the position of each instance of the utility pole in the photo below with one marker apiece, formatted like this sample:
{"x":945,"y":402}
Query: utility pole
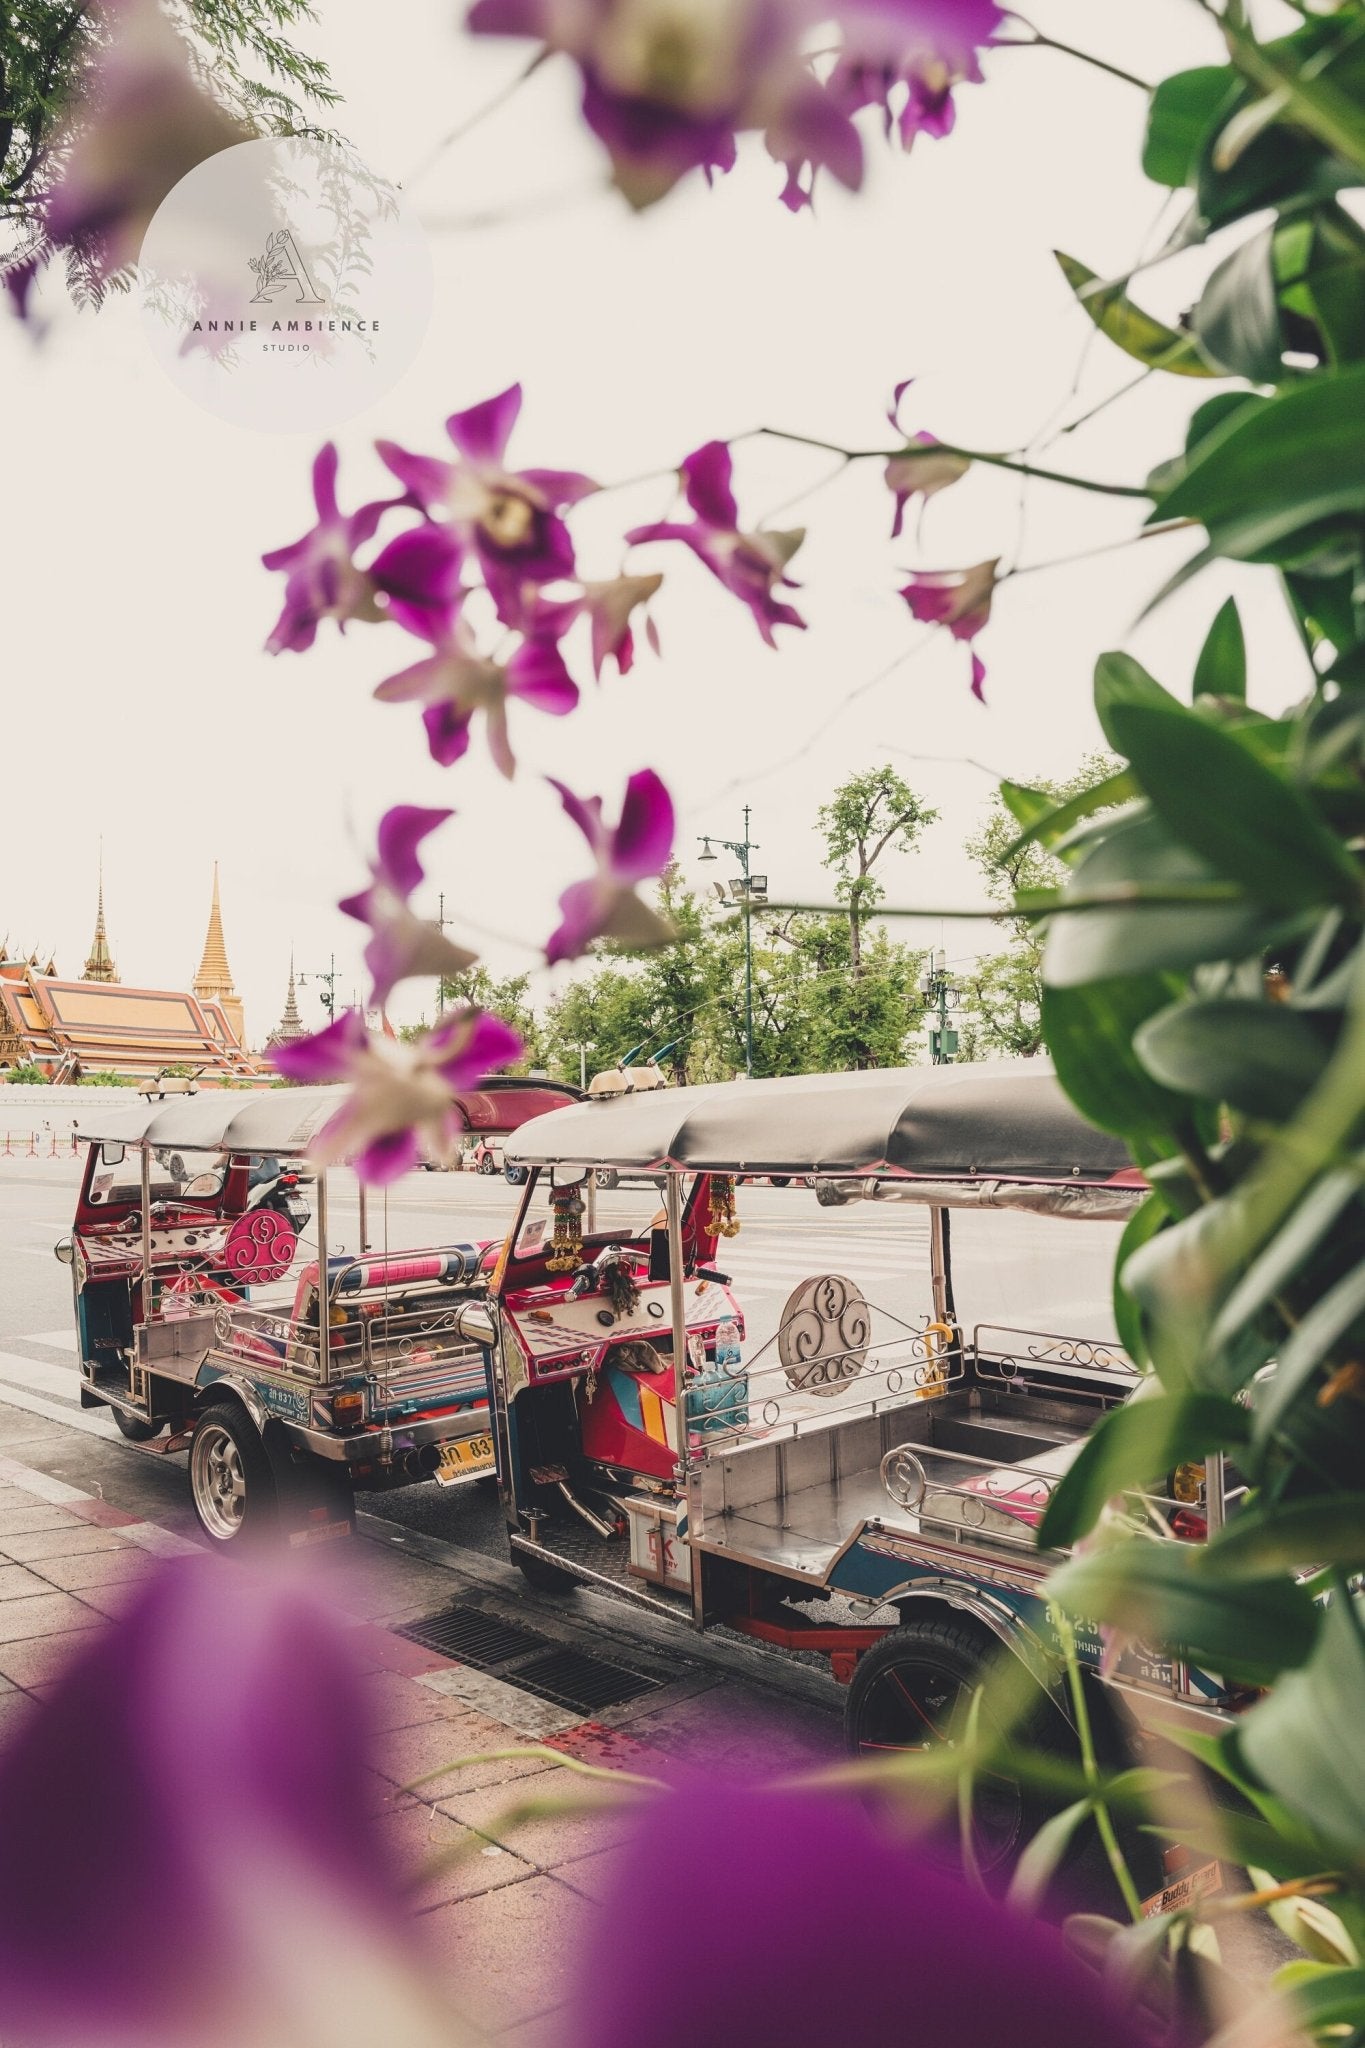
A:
{"x":940,"y":996}
{"x":440,"y":979}
{"x":750,"y":889}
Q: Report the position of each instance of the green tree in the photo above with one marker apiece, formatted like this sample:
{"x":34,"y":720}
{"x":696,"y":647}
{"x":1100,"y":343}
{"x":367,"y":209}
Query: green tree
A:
{"x":868,"y":816}
{"x":1003,"y":1007}
{"x":240,"y":50}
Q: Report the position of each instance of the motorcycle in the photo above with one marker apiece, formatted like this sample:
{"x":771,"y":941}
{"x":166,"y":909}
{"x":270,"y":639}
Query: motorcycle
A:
{"x":273,"y":1186}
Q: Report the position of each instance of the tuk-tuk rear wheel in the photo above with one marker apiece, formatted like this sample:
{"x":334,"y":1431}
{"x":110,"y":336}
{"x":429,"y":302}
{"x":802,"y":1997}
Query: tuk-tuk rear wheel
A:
{"x":231,"y":1483}
{"x":546,"y":1578}
{"x":910,"y":1693}
{"x":134,"y":1428}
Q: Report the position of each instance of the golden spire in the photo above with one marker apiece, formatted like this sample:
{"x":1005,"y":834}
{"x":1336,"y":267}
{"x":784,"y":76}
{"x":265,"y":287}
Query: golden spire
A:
{"x":291,"y":1024}
{"x":100,"y":964}
{"x":215,"y":976}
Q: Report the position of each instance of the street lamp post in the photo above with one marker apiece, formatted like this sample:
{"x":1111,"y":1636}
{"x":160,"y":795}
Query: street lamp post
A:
{"x":328,"y":976}
{"x":750,"y":889}
{"x":940,"y":995}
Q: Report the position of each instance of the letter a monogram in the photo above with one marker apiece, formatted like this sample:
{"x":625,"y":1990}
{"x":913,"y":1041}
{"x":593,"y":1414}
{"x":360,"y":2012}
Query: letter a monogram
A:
{"x":282,"y":265}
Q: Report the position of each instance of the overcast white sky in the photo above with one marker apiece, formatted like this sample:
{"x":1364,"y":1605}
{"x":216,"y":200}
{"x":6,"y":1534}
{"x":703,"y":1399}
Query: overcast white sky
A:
{"x":138,"y":703}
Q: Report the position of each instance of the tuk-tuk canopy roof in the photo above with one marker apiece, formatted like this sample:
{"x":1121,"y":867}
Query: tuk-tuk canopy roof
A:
{"x":281,"y":1122}
{"x":1000,"y":1120}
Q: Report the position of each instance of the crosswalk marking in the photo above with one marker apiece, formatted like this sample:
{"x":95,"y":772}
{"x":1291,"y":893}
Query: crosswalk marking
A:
{"x":53,"y":1340}
{"x":18,"y":1394}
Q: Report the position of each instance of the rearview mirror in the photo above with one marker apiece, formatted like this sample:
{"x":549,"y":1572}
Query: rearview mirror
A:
{"x":111,"y":1155}
{"x":65,"y":1250}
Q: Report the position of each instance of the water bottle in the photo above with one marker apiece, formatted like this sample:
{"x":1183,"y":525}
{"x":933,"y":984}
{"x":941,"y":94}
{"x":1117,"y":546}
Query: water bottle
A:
{"x":727,"y":1344}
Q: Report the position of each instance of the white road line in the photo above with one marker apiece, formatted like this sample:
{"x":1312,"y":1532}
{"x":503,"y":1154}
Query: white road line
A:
{"x":44,"y":1378}
{"x":54,"y":1340}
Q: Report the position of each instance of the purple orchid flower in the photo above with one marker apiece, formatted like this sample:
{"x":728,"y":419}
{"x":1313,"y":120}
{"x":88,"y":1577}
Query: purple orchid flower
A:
{"x":668,"y":88}
{"x":321,"y":578}
{"x":455,"y":681}
{"x":771,"y":1876}
{"x":142,"y":124}
{"x":417,"y":577}
{"x":402,"y":944}
{"x":609,"y":606}
{"x":607,"y":905}
{"x":906,"y":56}
{"x":190,"y":1858}
{"x":752,"y":565}
{"x":959,"y":600}
{"x":18,"y":281}
{"x":402,"y":1095}
{"x":510,"y":519}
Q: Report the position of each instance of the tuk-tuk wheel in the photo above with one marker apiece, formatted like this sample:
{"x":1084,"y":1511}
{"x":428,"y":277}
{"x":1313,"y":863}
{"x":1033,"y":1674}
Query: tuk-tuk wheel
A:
{"x":911,"y":1692}
{"x":488,"y":1164}
{"x":606,"y":1177}
{"x":231,"y":1483}
{"x":546,"y":1578}
{"x":134,"y":1428}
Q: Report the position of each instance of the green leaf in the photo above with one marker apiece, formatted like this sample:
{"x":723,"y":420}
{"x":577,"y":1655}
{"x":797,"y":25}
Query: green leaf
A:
{"x":1050,"y":823}
{"x":1221,"y":670}
{"x":1130,"y":1448}
{"x":1182,"y":113}
{"x":1300,"y":1741}
{"x":1266,"y":475}
{"x":1038,"y":1865}
{"x":1089,"y":1033}
{"x":1260,"y":1058}
{"x":1303,"y":1352}
{"x":1330,"y":1998}
{"x":1142,"y":1225}
{"x":1286,"y":1535}
{"x":1218,"y":799}
{"x":1119,"y":680}
{"x":1147,"y":340}
{"x":1138,"y":852}
{"x":1247,"y":1628}
{"x":1308,"y":1223}
{"x":1315,"y":99}
{"x":1333,"y":284}
{"x":1222,"y":1831}
{"x":1238,"y":315}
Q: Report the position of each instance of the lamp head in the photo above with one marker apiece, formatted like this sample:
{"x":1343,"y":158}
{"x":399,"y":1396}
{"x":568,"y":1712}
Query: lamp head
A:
{"x":706,"y":853}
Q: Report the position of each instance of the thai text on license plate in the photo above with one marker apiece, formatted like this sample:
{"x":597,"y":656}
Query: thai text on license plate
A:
{"x":470,"y":1455}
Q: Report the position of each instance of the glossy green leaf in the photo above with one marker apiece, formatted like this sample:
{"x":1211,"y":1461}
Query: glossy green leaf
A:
{"x":1333,"y":284}
{"x":1130,"y":1448}
{"x":1121,"y":679}
{"x":1038,"y":1865}
{"x":1289,"y":1249}
{"x":1049,"y":825}
{"x":1138,"y":334}
{"x":1300,"y":1742}
{"x":1137,"y":853}
{"x":1287,"y":1535}
{"x":1264,"y":477}
{"x":1306,"y":1349}
{"x":1247,"y":1628}
{"x":1241,"y":1838}
{"x":1329,"y":1998}
{"x":1248,"y":822}
{"x":1237,"y":318}
{"x":1221,"y":670}
{"x":1317,"y":99}
{"x":1260,"y":1058}
{"x":1089,"y":1032}
{"x":1182,"y":113}
{"x":1151,"y":1216}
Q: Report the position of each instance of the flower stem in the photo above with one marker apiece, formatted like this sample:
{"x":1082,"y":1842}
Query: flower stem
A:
{"x":1038,"y":41}
{"x":1049,"y":476}
{"x":1104,"y":1822}
{"x":478,"y":117}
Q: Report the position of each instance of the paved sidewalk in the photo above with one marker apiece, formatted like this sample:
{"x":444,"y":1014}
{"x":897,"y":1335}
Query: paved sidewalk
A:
{"x":504,"y":1906}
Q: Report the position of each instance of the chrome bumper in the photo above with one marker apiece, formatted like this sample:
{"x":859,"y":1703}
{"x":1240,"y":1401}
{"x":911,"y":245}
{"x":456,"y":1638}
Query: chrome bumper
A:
{"x":382,"y":1446}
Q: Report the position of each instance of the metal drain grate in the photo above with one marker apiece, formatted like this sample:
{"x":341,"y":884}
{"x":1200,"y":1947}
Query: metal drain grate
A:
{"x":571,"y":1678}
{"x":473,"y":1637}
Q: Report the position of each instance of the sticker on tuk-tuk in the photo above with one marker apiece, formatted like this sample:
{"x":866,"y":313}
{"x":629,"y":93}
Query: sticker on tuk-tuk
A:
{"x":1185,"y":1891}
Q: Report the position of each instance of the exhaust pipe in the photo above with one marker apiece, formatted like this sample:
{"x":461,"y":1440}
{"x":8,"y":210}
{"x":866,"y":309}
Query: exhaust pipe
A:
{"x":604,"y":1529}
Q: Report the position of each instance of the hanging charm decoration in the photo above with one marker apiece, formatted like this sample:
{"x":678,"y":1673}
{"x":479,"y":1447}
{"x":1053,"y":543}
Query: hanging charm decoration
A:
{"x":566,"y":1245}
{"x":721,"y":1217}
{"x":618,"y":1283}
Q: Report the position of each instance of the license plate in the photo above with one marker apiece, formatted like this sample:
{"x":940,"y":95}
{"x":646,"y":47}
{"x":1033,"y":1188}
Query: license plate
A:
{"x":1183,"y":1892}
{"x":464,"y":1460}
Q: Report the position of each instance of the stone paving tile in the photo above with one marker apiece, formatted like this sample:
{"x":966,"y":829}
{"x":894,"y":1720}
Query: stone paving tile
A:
{"x":545,"y":2030}
{"x":550,"y":1842}
{"x":416,"y":1836}
{"x":15,"y":1582}
{"x":18,"y":1521}
{"x":83,"y":1572}
{"x":594,"y":1875}
{"x":46,"y":1614}
{"x":409,"y":1753}
{"x":72,"y":1540}
{"x":15,"y":1709}
{"x":510,"y":1955}
{"x":111,"y":1600}
{"x":41,"y":1660}
{"x":394,"y":1701}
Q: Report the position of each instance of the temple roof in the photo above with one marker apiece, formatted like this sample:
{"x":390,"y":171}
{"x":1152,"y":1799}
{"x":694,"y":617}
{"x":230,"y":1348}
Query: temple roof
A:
{"x":99,"y":964}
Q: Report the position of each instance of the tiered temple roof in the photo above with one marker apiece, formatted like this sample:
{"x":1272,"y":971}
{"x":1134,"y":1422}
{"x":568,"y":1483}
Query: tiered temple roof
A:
{"x":98,"y":1025}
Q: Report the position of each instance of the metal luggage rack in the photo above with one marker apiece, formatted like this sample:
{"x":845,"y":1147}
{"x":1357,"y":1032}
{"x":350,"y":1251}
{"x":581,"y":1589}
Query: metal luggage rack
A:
{"x":889,"y":1361}
{"x":1006,"y":1357}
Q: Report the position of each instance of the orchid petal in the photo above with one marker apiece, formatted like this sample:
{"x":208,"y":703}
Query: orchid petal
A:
{"x":401,"y":832}
{"x":537,"y":674}
{"x":706,"y":474}
{"x":481,"y":433}
{"x":447,"y":730}
{"x":643,"y":841}
{"x":329,"y":1055}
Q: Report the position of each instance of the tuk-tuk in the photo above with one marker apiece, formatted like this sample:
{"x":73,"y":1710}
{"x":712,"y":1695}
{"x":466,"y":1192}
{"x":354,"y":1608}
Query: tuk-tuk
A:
{"x":865,"y":1484}
{"x":293,"y":1369}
